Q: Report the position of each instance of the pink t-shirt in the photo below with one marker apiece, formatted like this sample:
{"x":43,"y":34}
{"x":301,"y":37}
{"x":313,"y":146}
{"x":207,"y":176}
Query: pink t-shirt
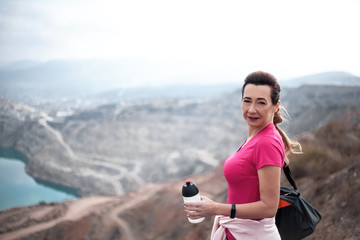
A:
{"x":241,"y":168}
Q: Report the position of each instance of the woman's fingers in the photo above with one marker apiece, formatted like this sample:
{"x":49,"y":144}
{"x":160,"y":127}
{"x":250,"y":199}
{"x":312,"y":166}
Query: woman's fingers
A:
{"x":193,"y":210}
{"x":199,"y":209}
{"x":192,"y":206}
{"x":193,"y":214}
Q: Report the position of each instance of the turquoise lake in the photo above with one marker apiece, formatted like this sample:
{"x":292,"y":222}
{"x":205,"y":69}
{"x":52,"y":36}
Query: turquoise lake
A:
{"x":19,"y":189}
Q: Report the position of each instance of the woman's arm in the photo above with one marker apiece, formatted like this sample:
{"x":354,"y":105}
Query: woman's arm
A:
{"x":266,"y":207}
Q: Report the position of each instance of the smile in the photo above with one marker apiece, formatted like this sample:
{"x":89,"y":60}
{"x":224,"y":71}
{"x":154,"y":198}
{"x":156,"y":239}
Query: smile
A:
{"x":253,"y":118}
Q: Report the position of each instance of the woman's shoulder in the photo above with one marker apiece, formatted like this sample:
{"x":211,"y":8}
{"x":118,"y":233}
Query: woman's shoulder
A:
{"x":269,"y":140}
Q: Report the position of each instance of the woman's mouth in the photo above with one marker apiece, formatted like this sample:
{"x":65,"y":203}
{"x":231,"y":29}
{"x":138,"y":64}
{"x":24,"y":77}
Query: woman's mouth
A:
{"x":253,"y":118}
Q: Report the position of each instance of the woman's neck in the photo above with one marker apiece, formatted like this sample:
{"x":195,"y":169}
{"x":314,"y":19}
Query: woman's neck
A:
{"x":253,"y":131}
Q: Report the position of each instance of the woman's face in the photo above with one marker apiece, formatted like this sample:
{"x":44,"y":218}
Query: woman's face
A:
{"x":257,"y":107}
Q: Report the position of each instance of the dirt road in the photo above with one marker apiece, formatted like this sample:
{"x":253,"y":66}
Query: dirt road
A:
{"x":82,"y":207}
{"x":76,"y":209}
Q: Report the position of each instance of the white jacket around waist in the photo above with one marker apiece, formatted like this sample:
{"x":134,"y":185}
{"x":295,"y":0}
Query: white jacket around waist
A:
{"x":244,"y":229}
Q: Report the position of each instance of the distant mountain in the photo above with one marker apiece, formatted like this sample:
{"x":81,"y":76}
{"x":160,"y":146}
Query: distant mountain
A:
{"x":112,"y":80}
{"x":19,"y":65}
{"x":57,"y":79}
{"x":326,"y":78}
{"x":32,"y":82}
{"x":195,"y":91}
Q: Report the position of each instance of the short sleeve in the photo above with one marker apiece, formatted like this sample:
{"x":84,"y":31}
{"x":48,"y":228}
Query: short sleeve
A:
{"x":269,"y":151}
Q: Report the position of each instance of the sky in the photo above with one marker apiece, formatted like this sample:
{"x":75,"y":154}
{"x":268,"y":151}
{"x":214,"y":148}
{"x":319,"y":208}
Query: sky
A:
{"x":286,"y":38}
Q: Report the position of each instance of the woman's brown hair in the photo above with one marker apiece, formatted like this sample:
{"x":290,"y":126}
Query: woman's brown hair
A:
{"x":264,"y":78}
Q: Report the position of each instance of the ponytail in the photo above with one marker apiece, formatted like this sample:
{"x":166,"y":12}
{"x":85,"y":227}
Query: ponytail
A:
{"x":290,"y":146}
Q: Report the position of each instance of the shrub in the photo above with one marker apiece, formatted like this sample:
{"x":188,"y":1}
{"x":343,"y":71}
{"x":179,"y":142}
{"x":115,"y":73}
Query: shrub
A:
{"x":329,"y":150}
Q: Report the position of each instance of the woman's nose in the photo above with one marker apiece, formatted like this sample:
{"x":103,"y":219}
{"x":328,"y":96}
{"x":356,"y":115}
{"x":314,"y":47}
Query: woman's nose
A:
{"x":252,"y":109}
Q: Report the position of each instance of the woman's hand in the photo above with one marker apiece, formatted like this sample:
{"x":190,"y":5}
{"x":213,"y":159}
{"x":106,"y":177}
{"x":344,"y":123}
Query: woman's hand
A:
{"x":205,"y":208}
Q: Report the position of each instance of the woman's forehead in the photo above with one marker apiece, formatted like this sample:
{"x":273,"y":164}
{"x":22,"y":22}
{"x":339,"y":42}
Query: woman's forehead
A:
{"x":257,"y":91}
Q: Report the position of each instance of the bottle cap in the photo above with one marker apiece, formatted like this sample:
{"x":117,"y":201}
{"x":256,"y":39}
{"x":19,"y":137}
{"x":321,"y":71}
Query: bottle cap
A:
{"x":189,"y":189}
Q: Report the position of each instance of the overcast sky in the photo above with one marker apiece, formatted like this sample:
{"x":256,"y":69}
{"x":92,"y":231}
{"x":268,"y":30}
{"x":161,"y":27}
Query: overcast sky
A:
{"x":286,"y":38}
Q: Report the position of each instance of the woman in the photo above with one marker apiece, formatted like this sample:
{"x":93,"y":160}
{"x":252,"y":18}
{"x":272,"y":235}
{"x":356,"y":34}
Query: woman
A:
{"x":253,"y":172}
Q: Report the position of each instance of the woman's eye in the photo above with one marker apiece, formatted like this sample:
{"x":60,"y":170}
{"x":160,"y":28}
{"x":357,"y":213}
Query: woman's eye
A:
{"x":262,"y":103}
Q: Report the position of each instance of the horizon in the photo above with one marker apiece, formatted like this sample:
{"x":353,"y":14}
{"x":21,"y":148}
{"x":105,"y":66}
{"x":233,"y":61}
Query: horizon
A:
{"x":108,"y":74}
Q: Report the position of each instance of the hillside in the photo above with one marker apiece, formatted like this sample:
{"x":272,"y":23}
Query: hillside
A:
{"x":156,"y":211}
{"x":115,"y":149}
{"x":312,"y":106}
{"x":324,"y":78}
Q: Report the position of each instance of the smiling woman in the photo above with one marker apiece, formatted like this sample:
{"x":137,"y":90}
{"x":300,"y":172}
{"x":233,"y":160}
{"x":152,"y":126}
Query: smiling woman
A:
{"x":19,"y":189}
{"x":253,"y":171}
{"x":257,"y":107}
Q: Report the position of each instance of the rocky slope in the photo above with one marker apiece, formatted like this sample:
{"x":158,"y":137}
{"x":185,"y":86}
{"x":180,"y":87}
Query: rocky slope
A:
{"x":114,"y":149}
{"x":156,"y":211}
{"x":49,"y":157}
{"x":313,"y":106}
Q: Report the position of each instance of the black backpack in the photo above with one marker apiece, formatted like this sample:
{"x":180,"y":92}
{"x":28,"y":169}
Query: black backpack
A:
{"x":295,"y":218}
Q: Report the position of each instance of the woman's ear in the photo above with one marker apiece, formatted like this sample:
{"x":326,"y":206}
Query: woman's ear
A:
{"x":277,"y":107}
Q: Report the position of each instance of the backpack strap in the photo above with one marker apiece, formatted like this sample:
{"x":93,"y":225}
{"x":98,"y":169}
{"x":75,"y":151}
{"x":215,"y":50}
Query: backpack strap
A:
{"x":288,"y":176}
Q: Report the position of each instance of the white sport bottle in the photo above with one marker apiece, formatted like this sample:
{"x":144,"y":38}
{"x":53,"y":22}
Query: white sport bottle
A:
{"x":191,"y":194}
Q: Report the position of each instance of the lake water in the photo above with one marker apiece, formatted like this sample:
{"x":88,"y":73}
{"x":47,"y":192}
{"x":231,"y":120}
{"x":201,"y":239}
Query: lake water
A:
{"x":19,"y":189}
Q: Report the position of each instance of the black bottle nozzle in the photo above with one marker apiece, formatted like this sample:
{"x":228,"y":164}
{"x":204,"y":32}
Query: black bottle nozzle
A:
{"x":189,"y":189}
